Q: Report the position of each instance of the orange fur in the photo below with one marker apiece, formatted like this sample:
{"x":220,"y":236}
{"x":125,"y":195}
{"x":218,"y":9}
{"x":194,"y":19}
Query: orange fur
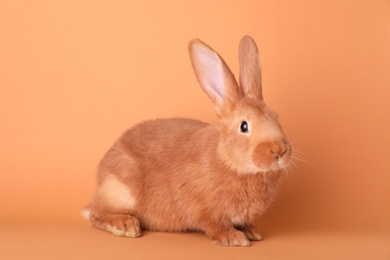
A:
{"x":182,"y":174}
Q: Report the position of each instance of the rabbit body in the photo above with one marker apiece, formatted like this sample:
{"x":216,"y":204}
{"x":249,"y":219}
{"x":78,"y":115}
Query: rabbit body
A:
{"x":183,"y":174}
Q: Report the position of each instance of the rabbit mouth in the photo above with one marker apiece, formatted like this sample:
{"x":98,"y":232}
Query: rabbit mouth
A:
{"x":276,"y":165}
{"x":281,"y":163}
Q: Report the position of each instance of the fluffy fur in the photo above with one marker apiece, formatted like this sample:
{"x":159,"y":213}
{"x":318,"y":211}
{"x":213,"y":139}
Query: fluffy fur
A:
{"x":182,"y":174}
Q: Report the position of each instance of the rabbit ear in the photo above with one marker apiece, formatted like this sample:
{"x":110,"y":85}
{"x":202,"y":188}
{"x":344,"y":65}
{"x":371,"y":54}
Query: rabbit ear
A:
{"x":250,"y":68}
{"x":214,"y":76}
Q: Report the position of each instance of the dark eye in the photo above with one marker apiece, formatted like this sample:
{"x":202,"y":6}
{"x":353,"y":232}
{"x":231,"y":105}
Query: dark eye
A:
{"x":244,"y":127}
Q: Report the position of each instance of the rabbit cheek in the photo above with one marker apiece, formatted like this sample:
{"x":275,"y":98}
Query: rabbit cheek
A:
{"x":116,"y":194}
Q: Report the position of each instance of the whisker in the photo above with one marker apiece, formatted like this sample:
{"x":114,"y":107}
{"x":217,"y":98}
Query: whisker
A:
{"x":297,"y":151}
{"x":290,"y":171}
{"x":303,"y":160}
{"x":294,"y":164}
{"x":286,"y":172}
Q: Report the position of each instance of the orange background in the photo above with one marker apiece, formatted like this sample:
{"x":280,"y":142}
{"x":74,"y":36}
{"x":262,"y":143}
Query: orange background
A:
{"x":75,"y":74}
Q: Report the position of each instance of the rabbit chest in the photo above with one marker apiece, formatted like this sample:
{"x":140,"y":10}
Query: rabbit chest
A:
{"x":251,"y":197}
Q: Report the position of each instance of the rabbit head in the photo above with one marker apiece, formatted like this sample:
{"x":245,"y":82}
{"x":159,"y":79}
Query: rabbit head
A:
{"x":251,"y":139}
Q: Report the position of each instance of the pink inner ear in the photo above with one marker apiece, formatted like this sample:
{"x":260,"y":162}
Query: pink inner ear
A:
{"x":211,"y":74}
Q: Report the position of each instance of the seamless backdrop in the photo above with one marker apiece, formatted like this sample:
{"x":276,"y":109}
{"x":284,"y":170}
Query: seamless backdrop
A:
{"x":75,"y":74}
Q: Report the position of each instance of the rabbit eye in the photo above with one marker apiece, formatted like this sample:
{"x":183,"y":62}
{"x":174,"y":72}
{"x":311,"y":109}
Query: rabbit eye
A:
{"x":244,"y":127}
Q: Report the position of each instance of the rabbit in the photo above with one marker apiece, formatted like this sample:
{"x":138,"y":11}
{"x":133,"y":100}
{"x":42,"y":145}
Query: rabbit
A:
{"x":182,"y":174}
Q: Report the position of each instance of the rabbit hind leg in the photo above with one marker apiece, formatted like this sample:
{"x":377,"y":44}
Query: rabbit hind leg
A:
{"x":111,"y":208}
{"x":117,"y":224}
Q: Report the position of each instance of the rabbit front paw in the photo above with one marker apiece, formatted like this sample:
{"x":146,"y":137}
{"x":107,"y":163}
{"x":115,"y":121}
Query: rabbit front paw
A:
{"x":231,"y":237}
{"x":252,"y":234}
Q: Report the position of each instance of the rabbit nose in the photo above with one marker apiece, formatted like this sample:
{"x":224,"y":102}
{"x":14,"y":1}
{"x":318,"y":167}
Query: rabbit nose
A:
{"x":278,"y":149}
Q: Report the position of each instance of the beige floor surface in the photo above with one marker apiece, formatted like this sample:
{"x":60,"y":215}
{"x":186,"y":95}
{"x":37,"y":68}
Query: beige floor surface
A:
{"x":77,"y":240}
